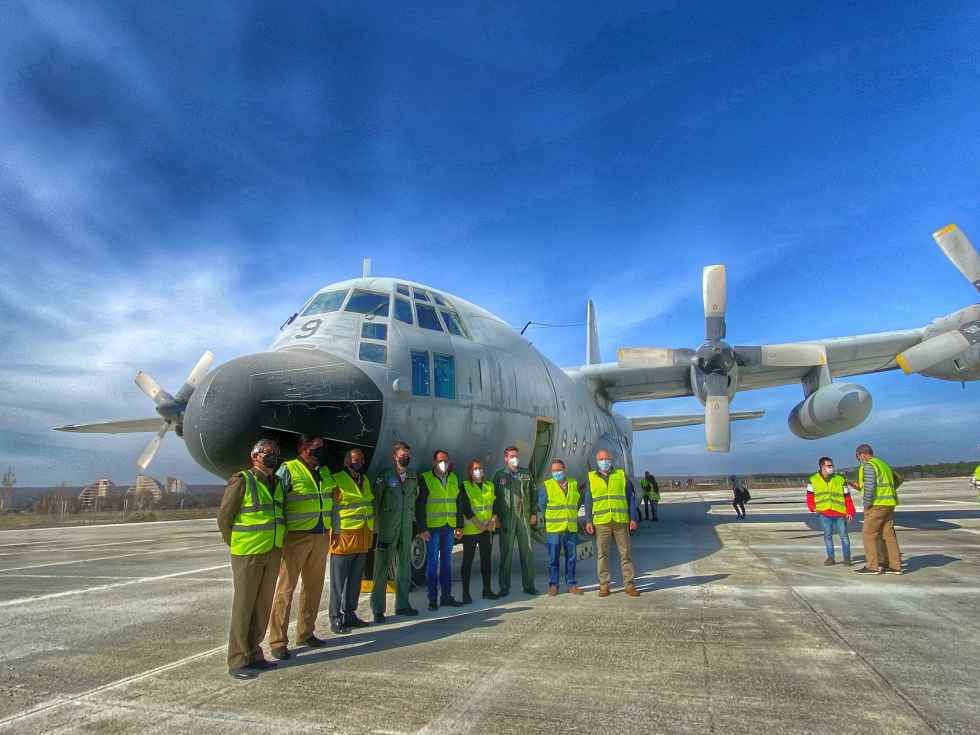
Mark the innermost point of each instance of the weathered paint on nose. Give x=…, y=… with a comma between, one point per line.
x=280, y=395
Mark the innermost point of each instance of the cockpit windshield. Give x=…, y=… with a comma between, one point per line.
x=325, y=302
x=368, y=302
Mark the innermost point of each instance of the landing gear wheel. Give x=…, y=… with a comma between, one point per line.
x=418, y=561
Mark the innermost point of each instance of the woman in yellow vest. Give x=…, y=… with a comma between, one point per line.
x=476, y=507
x=353, y=533
x=559, y=500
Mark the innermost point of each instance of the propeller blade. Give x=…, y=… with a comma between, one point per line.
x=196, y=376
x=152, y=389
x=646, y=357
x=131, y=426
x=960, y=252
x=717, y=424
x=714, y=294
x=939, y=348
x=151, y=449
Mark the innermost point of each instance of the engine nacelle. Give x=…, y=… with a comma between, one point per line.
x=830, y=410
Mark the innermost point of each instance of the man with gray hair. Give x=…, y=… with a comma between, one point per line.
x=879, y=486
x=252, y=523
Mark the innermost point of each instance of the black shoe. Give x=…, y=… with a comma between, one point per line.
x=866, y=570
x=356, y=622
x=242, y=672
x=260, y=664
x=467, y=599
x=489, y=594
x=280, y=654
x=433, y=605
x=450, y=601
x=410, y=611
x=503, y=592
x=530, y=591
x=379, y=618
x=339, y=628
x=314, y=642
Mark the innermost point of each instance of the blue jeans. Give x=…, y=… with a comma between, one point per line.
x=438, y=562
x=556, y=542
x=830, y=527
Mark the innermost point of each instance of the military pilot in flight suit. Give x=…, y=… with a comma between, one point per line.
x=395, y=492
x=515, y=505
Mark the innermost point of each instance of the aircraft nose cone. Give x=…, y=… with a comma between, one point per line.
x=280, y=395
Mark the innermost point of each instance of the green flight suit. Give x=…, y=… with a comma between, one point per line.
x=515, y=502
x=394, y=512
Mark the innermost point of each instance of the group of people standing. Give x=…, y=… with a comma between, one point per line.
x=282, y=522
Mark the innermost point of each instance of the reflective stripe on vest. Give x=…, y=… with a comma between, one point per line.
x=884, y=483
x=307, y=503
x=356, y=505
x=259, y=526
x=828, y=495
x=561, y=513
x=481, y=499
x=440, y=506
x=609, y=502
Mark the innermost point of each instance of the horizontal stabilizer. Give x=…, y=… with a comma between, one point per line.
x=645, y=423
x=132, y=426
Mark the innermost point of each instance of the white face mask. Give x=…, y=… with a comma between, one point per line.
x=477, y=475
x=442, y=466
x=514, y=462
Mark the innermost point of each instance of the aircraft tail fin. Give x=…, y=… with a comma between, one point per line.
x=592, y=356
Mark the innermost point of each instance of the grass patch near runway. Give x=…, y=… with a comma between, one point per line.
x=13, y=521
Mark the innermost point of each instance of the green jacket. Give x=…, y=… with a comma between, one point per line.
x=516, y=496
x=394, y=504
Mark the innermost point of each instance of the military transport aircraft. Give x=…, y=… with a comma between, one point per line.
x=370, y=360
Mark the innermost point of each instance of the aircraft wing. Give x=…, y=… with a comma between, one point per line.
x=846, y=356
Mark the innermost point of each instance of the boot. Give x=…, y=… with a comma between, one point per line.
x=603, y=590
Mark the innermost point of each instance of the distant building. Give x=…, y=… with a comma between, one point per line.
x=145, y=490
x=176, y=486
x=101, y=494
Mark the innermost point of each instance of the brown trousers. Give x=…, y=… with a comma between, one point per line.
x=878, y=527
x=254, y=578
x=304, y=557
x=620, y=532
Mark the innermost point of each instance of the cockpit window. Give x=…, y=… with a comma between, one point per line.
x=403, y=290
x=452, y=323
x=421, y=295
x=428, y=318
x=367, y=302
x=439, y=300
x=403, y=311
x=325, y=302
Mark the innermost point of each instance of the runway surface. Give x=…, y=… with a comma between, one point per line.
x=740, y=629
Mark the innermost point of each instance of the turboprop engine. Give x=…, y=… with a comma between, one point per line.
x=830, y=410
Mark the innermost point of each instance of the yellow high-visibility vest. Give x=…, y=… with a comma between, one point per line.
x=828, y=495
x=609, y=501
x=259, y=526
x=356, y=505
x=481, y=499
x=440, y=506
x=306, y=503
x=885, y=493
x=561, y=513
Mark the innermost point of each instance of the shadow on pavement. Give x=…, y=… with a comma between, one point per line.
x=376, y=639
x=925, y=561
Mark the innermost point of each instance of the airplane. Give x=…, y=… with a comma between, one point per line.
x=372, y=360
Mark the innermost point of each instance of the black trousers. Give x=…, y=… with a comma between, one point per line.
x=739, y=506
x=469, y=551
x=346, y=572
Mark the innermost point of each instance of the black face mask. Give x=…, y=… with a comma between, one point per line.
x=356, y=466
x=403, y=461
x=272, y=460
x=319, y=454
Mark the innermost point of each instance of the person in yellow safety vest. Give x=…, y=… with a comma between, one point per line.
x=828, y=495
x=252, y=524
x=651, y=495
x=879, y=485
x=441, y=525
x=976, y=480
x=353, y=534
x=610, y=513
x=476, y=508
x=559, y=500
x=307, y=488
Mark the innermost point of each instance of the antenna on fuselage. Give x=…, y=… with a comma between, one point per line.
x=366, y=268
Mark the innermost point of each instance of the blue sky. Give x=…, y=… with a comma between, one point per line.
x=180, y=178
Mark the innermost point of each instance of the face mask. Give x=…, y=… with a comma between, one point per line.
x=558, y=476
x=403, y=460
x=477, y=475
x=356, y=466
x=271, y=460
x=605, y=465
x=828, y=471
x=442, y=467
x=318, y=454
x=514, y=462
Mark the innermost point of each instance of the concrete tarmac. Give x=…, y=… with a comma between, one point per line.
x=739, y=629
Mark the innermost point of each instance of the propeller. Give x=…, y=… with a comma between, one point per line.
x=942, y=347
x=714, y=365
x=170, y=408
